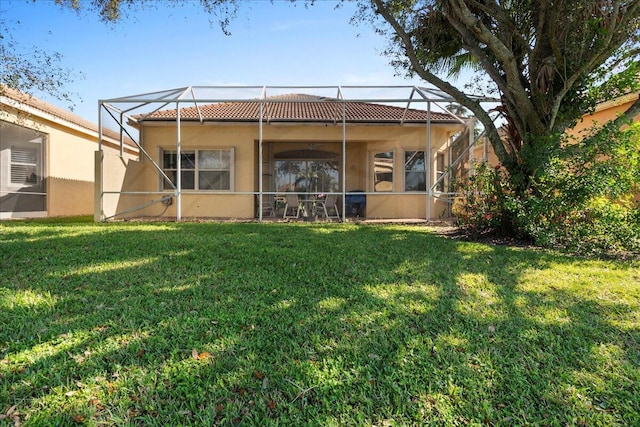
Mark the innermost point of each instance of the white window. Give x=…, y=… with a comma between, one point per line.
x=25, y=166
x=383, y=171
x=440, y=171
x=415, y=170
x=199, y=169
x=22, y=172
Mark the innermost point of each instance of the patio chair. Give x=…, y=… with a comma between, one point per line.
x=267, y=206
x=292, y=207
x=329, y=205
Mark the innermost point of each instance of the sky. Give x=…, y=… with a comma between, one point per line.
x=164, y=47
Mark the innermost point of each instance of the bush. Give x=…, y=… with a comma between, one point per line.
x=584, y=198
x=482, y=208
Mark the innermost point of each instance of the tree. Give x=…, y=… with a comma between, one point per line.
x=112, y=11
x=549, y=61
x=30, y=68
x=545, y=59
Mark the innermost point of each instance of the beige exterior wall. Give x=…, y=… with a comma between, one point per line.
x=483, y=151
x=362, y=143
x=70, y=172
x=68, y=161
x=606, y=112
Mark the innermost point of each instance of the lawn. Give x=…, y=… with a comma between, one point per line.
x=308, y=324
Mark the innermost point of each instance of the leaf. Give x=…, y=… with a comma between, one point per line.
x=13, y=414
x=70, y=393
x=94, y=402
x=200, y=356
x=78, y=418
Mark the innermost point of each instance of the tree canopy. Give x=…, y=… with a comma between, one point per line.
x=549, y=61
x=30, y=68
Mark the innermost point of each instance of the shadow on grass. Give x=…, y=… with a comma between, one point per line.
x=297, y=324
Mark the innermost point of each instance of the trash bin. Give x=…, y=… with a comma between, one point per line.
x=355, y=204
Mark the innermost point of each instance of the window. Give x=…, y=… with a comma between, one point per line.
x=383, y=171
x=22, y=172
x=214, y=169
x=307, y=171
x=415, y=171
x=199, y=169
x=440, y=171
x=24, y=165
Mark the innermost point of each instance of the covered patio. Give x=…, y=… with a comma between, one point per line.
x=238, y=152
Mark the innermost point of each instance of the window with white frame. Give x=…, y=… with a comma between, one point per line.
x=199, y=169
x=25, y=165
x=440, y=172
x=22, y=172
x=415, y=170
x=383, y=171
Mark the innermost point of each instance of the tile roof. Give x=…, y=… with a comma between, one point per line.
x=300, y=108
x=59, y=113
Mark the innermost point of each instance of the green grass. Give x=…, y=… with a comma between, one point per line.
x=308, y=324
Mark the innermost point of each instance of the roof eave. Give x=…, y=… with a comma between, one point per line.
x=299, y=121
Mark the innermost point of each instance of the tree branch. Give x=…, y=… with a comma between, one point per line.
x=463, y=99
x=504, y=55
x=628, y=115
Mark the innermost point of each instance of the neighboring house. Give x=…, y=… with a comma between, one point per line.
x=604, y=112
x=382, y=161
x=46, y=158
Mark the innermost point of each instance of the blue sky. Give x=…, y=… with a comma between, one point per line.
x=167, y=47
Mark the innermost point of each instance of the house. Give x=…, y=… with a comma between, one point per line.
x=245, y=157
x=603, y=113
x=47, y=158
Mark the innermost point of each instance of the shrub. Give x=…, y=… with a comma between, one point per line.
x=585, y=197
x=482, y=207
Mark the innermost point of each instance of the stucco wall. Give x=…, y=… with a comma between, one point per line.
x=68, y=164
x=70, y=172
x=362, y=141
x=69, y=169
x=604, y=113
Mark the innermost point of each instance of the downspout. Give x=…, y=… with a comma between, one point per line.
x=98, y=214
x=471, y=142
x=344, y=160
x=260, y=167
x=179, y=166
x=430, y=157
x=121, y=134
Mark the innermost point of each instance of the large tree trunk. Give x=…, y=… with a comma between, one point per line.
x=538, y=53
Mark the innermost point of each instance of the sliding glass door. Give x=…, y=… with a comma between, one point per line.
x=307, y=171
